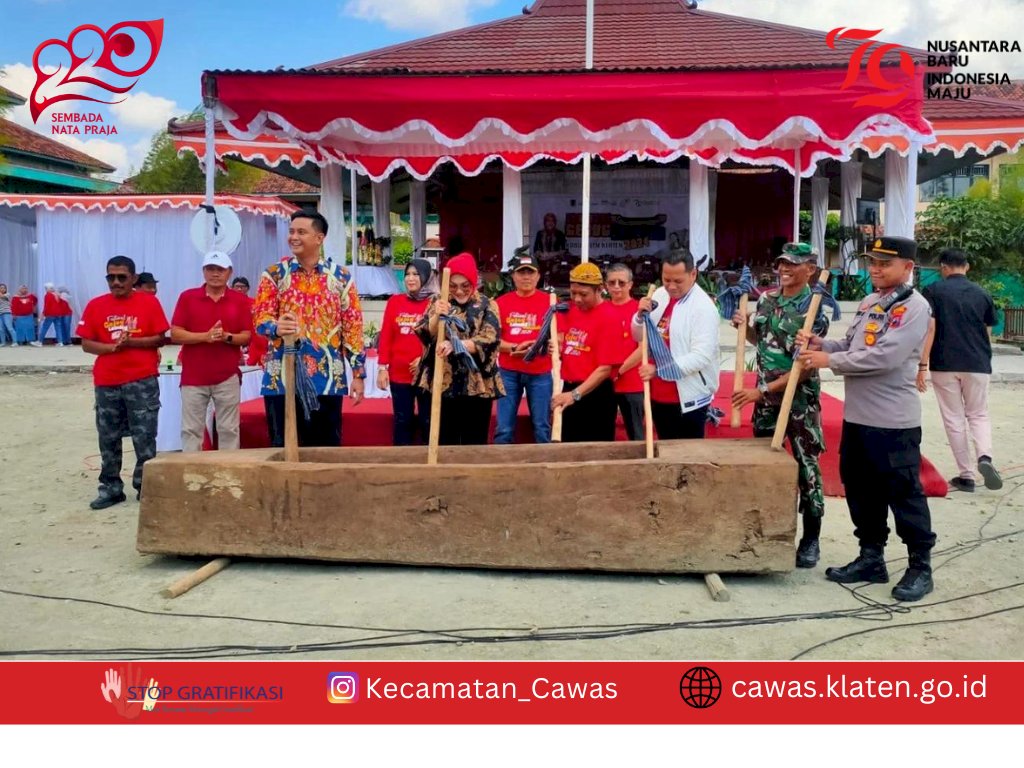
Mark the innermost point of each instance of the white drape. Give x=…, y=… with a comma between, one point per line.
x=382, y=208
x=712, y=204
x=418, y=212
x=332, y=207
x=17, y=254
x=700, y=206
x=819, y=215
x=353, y=201
x=74, y=247
x=900, y=193
x=850, y=182
x=511, y=213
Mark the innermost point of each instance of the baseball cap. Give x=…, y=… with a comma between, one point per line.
x=797, y=253
x=146, y=278
x=888, y=248
x=522, y=261
x=217, y=259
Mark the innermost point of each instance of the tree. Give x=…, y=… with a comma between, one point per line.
x=990, y=228
x=163, y=172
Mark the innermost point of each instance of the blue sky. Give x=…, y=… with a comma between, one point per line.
x=263, y=35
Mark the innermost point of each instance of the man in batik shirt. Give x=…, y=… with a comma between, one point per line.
x=311, y=298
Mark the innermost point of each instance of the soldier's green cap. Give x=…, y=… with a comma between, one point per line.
x=797, y=253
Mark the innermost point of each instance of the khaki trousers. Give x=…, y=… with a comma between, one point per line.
x=194, y=403
x=963, y=403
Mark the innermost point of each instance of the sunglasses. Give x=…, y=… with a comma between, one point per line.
x=617, y=282
x=117, y=278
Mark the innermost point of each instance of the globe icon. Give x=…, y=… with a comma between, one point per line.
x=700, y=687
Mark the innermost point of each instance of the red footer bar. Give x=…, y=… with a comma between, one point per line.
x=644, y=692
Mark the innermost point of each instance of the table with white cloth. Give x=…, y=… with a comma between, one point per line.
x=168, y=430
x=168, y=426
x=374, y=281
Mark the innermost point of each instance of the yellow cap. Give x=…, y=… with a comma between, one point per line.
x=586, y=274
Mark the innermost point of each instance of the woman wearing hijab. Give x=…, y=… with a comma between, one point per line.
x=470, y=352
x=400, y=350
x=56, y=312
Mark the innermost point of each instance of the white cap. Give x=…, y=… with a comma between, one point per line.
x=218, y=259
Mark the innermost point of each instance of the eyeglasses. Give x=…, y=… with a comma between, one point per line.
x=117, y=278
x=623, y=283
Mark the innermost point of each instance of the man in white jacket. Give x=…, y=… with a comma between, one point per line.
x=686, y=319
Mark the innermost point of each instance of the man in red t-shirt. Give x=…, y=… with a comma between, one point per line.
x=124, y=329
x=629, y=389
x=211, y=323
x=522, y=313
x=586, y=337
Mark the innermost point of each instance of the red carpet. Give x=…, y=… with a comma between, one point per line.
x=369, y=423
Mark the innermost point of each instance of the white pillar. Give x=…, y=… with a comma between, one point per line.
x=797, y=164
x=819, y=214
x=712, y=205
x=382, y=208
x=585, y=233
x=850, y=178
x=511, y=213
x=211, y=171
x=332, y=207
x=700, y=212
x=353, y=197
x=900, y=192
x=418, y=212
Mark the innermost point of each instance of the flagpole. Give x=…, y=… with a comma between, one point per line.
x=588, y=64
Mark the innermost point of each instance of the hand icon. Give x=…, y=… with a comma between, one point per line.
x=149, y=702
x=111, y=689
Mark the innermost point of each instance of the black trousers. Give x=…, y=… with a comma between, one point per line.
x=411, y=406
x=631, y=406
x=592, y=419
x=322, y=429
x=672, y=424
x=881, y=471
x=465, y=420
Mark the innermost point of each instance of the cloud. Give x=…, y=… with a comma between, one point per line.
x=426, y=16
x=144, y=111
x=110, y=152
x=19, y=78
x=911, y=22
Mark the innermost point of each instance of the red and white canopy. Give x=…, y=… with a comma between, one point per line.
x=270, y=206
x=380, y=123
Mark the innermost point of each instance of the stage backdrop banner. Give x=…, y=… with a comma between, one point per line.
x=619, y=226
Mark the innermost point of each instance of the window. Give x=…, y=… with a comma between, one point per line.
x=953, y=184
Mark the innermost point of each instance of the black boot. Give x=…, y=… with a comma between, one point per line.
x=917, y=581
x=808, y=552
x=869, y=566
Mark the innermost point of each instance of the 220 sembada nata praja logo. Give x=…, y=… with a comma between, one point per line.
x=894, y=93
x=112, y=60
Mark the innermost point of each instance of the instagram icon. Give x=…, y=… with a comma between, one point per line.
x=343, y=687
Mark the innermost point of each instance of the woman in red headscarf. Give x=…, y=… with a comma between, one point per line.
x=470, y=352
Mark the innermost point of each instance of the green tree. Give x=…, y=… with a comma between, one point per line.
x=163, y=172
x=990, y=228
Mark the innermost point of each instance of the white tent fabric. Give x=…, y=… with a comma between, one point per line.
x=418, y=212
x=819, y=215
x=511, y=213
x=17, y=248
x=74, y=247
x=700, y=214
x=900, y=191
x=851, y=181
x=332, y=206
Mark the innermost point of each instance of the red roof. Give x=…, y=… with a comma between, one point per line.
x=975, y=108
x=276, y=184
x=15, y=138
x=629, y=35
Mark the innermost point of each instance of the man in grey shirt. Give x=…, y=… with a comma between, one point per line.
x=880, y=449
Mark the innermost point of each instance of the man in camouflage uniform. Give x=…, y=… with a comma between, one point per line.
x=772, y=330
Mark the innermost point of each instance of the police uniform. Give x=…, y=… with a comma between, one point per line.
x=880, y=450
x=776, y=321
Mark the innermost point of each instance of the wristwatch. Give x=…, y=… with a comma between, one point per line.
x=228, y=339
x=762, y=387
x=576, y=395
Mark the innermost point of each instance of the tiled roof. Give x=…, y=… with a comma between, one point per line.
x=628, y=35
x=10, y=97
x=977, y=107
x=1013, y=91
x=276, y=184
x=15, y=138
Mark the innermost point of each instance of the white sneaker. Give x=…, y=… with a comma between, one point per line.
x=36, y=343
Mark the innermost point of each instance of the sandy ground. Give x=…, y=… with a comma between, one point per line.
x=74, y=562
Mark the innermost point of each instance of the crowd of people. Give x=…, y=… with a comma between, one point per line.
x=497, y=351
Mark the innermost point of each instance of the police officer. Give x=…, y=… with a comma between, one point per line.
x=776, y=320
x=880, y=451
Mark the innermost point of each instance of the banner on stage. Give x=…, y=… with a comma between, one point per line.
x=620, y=228
x=555, y=692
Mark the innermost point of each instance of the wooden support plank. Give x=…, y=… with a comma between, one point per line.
x=185, y=583
x=717, y=588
